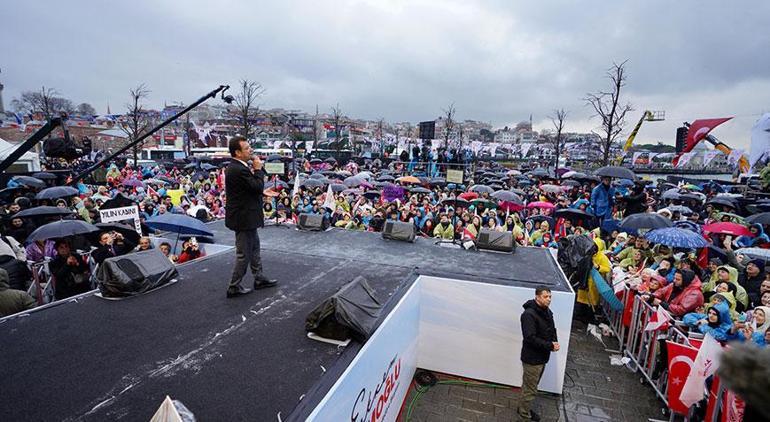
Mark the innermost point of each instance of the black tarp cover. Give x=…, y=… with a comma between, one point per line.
x=575, y=258
x=352, y=311
x=134, y=274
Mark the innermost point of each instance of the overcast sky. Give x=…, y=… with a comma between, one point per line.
x=498, y=61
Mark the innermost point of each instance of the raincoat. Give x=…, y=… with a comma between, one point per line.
x=591, y=296
x=740, y=293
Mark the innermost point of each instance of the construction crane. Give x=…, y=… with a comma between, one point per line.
x=647, y=116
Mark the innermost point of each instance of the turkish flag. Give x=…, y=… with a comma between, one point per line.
x=659, y=320
x=680, y=363
x=699, y=129
x=734, y=408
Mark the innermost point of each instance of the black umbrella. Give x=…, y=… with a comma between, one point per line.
x=353, y=181
x=208, y=167
x=320, y=176
x=456, y=202
x=44, y=175
x=761, y=218
x=372, y=194
x=338, y=187
x=576, y=215
x=616, y=172
x=386, y=178
x=28, y=181
x=672, y=194
x=540, y=172
x=507, y=196
x=274, y=157
x=722, y=201
x=482, y=189
x=419, y=189
x=120, y=200
x=128, y=231
x=43, y=211
x=438, y=181
x=645, y=220
x=61, y=229
x=191, y=166
x=574, y=183
x=56, y=192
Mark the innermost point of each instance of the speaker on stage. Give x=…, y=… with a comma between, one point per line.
x=134, y=274
x=313, y=222
x=398, y=230
x=495, y=241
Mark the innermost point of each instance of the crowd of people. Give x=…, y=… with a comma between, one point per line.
x=724, y=292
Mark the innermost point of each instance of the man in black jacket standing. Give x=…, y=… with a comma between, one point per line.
x=540, y=340
x=243, y=214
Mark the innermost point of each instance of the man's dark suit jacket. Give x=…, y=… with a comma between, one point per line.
x=243, y=209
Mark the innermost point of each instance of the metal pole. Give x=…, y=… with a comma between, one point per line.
x=163, y=124
x=36, y=137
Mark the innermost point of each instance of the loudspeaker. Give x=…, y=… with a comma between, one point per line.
x=313, y=222
x=134, y=274
x=681, y=138
x=495, y=241
x=398, y=230
x=428, y=130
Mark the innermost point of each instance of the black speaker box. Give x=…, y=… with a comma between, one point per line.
x=398, y=230
x=312, y=222
x=495, y=241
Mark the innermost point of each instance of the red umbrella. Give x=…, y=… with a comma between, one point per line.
x=468, y=196
x=510, y=206
x=727, y=227
x=540, y=204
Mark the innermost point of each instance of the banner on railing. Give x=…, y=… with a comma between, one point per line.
x=680, y=364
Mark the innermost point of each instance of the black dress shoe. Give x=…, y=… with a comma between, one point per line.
x=237, y=291
x=262, y=282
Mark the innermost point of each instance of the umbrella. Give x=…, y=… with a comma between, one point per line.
x=468, y=195
x=312, y=183
x=510, y=206
x=691, y=197
x=315, y=161
x=536, y=218
x=676, y=237
x=518, y=192
x=680, y=209
x=128, y=232
x=496, y=186
x=571, y=183
x=616, y=172
x=365, y=174
x=56, y=192
x=456, y=202
x=274, y=157
x=438, y=181
x=735, y=218
x=761, y=218
x=540, y=204
x=507, y=196
x=540, y=172
x=722, y=201
x=351, y=191
x=690, y=186
x=689, y=225
x=485, y=202
x=572, y=174
x=386, y=178
x=626, y=183
x=419, y=189
x=353, y=181
x=672, y=194
x=645, y=221
x=208, y=167
x=331, y=160
x=61, y=229
x=191, y=166
x=43, y=211
x=552, y=188
x=372, y=194
x=409, y=179
x=575, y=214
x=727, y=228
x=755, y=253
x=319, y=175
x=179, y=224
x=133, y=183
x=338, y=187
x=481, y=189
x=513, y=173
x=28, y=181
x=155, y=182
x=43, y=175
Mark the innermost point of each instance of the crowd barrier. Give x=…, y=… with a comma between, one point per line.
x=644, y=347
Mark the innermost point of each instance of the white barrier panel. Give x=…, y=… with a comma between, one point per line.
x=473, y=330
x=376, y=382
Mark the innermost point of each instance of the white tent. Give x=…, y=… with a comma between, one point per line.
x=30, y=161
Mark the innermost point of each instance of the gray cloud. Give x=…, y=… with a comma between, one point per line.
x=498, y=61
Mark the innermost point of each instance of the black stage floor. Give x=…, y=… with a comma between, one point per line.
x=226, y=359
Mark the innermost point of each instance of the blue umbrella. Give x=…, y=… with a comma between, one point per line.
x=755, y=253
x=56, y=192
x=606, y=290
x=180, y=224
x=676, y=237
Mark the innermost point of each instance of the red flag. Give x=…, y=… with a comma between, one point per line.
x=699, y=129
x=680, y=363
x=658, y=320
x=734, y=408
x=712, y=399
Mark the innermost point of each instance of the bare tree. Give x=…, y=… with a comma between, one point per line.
x=85, y=109
x=136, y=120
x=558, y=142
x=337, y=119
x=608, y=107
x=449, y=123
x=246, y=107
x=380, y=123
x=47, y=102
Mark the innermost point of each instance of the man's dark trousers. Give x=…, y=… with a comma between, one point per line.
x=246, y=255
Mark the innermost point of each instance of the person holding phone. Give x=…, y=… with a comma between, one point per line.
x=244, y=185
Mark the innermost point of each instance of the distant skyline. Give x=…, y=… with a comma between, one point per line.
x=498, y=61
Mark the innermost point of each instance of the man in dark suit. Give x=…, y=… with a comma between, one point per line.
x=243, y=214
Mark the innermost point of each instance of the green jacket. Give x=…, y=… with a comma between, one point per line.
x=13, y=301
x=740, y=293
x=447, y=233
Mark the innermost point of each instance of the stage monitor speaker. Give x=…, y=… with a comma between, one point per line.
x=495, y=241
x=313, y=222
x=398, y=230
x=428, y=130
x=134, y=274
x=351, y=312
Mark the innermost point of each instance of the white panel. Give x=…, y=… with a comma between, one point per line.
x=473, y=330
x=378, y=378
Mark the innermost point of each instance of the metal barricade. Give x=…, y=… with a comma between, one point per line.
x=41, y=287
x=614, y=317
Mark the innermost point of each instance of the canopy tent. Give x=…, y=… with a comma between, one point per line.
x=28, y=162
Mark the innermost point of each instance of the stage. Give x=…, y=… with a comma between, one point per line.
x=234, y=359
